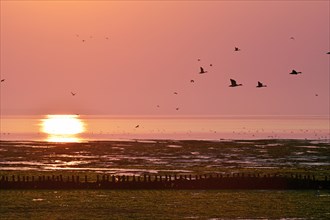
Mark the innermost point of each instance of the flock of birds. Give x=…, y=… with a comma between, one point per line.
x=233, y=82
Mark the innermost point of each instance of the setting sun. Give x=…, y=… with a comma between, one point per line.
x=63, y=128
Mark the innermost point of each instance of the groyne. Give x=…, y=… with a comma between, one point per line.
x=205, y=182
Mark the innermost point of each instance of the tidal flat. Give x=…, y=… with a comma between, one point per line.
x=165, y=157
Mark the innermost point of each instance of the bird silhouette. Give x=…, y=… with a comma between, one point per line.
x=175, y=93
x=237, y=49
x=260, y=85
x=202, y=71
x=328, y=53
x=294, y=72
x=73, y=94
x=192, y=81
x=233, y=83
x=137, y=126
x=2, y=80
x=211, y=64
x=177, y=109
x=292, y=38
x=198, y=59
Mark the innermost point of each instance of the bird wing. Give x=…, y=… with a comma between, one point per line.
x=233, y=82
x=202, y=70
x=259, y=84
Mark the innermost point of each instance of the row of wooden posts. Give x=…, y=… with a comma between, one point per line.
x=218, y=181
x=146, y=178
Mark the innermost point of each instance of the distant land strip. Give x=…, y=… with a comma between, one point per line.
x=171, y=182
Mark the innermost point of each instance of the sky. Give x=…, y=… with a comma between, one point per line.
x=129, y=57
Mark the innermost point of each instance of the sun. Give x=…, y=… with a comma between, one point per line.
x=62, y=128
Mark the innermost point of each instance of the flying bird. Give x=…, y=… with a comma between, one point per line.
x=294, y=72
x=202, y=71
x=211, y=64
x=237, y=49
x=198, y=59
x=192, y=81
x=73, y=94
x=233, y=83
x=328, y=53
x=292, y=38
x=2, y=80
x=137, y=126
x=177, y=109
x=175, y=93
x=260, y=85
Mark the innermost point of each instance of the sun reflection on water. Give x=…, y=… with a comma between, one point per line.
x=62, y=128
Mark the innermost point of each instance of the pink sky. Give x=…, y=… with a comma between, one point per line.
x=152, y=52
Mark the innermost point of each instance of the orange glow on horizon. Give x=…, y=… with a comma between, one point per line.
x=62, y=128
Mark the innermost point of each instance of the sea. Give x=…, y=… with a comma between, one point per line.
x=110, y=127
x=127, y=145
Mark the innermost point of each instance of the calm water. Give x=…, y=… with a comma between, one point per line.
x=190, y=128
